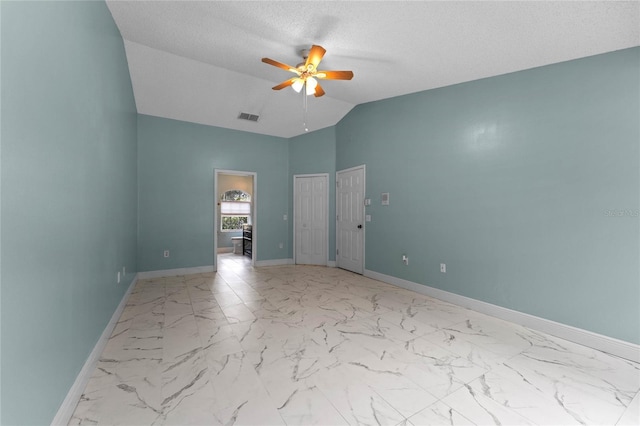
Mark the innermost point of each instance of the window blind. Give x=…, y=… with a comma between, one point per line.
x=235, y=208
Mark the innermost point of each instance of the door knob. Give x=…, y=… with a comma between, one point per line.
x=359, y=226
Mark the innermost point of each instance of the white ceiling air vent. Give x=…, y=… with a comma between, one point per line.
x=249, y=117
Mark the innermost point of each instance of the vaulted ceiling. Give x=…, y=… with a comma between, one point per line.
x=200, y=61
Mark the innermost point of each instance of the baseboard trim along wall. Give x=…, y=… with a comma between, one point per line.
x=174, y=272
x=203, y=269
x=63, y=416
x=274, y=262
x=606, y=344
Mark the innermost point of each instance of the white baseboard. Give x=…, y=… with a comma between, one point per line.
x=274, y=262
x=203, y=269
x=175, y=272
x=63, y=416
x=597, y=341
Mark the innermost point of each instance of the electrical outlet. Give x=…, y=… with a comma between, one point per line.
x=166, y=253
x=284, y=217
x=443, y=268
x=405, y=259
x=281, y=245
x=118, y=277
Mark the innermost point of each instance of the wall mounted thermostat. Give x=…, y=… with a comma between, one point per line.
x=384, y=197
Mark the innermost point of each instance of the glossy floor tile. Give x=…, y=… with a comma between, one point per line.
x=306, y=345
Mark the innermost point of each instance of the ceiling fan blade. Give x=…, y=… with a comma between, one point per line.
x=285, y=84
x=280, y=65
x=315, y=56
x=319, y=91
x=335, y=75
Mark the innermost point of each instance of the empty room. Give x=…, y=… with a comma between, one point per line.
x=319, y=212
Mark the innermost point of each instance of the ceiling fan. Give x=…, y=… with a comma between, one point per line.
x=307, y=72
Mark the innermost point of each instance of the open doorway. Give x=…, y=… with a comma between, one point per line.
x=235, y=216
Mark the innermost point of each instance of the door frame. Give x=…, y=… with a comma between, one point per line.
x=326, y=208
x=364, y=211
x=254, y=213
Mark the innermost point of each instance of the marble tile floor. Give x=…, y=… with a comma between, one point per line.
x=304, y=345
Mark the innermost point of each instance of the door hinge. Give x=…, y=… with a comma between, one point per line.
x=337, y=184
x=337, y=217
x=337, y=251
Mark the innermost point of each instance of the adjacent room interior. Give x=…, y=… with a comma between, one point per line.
x=235, y=213
x=182, y=244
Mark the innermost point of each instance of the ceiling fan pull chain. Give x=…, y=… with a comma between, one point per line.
x=304, y=107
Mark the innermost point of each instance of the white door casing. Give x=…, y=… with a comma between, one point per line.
x=310, y=216
x=350, y=187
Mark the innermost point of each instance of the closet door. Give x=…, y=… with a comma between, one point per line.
x=310, y=212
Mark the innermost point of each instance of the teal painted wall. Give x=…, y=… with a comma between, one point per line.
x=315, y=153
x=175, y=187
x=68, y=196
x=512, y=181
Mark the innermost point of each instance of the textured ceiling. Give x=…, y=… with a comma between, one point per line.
x=199, y=61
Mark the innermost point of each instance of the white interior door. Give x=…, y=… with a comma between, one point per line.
x=350, y=219
x=310, y=219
